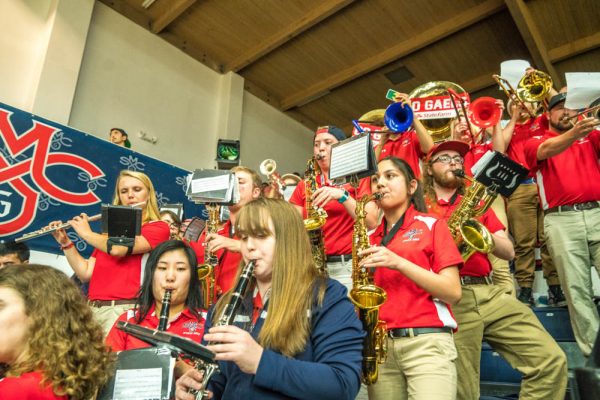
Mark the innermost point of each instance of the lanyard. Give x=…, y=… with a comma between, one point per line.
x=390, y=235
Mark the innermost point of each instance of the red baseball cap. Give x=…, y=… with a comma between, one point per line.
x=461, y=148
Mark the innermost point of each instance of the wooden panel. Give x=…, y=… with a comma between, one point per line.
x=575, y=47
x=586, y=62
x=171, y=10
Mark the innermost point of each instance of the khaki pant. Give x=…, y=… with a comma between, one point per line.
x=486, y=312
x=574, y=241
x=501, y=275
x=421, y=367
x=107, y=315
x=526, y=222
x=341, y=271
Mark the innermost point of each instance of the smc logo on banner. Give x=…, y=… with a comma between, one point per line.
x=52, y=172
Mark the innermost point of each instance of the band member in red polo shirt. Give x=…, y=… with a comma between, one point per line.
x=565, y=160
x=338, y=202
x=115, y=271
x=171, y=266
x=225, y=243
x=418, y=268
x=50, y=345
x=485, y=311
x=524, y=212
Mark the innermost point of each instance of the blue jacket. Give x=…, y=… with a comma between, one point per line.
x=328, y=368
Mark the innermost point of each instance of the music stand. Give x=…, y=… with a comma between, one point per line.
x=588, y=377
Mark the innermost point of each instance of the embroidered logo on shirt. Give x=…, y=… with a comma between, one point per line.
x=191, y=326
x=412, y=235
x=405, y=142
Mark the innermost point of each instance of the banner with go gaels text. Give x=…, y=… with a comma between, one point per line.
x=52, y=172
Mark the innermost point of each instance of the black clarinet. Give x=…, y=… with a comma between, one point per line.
x=226, y=318
x=163, y=321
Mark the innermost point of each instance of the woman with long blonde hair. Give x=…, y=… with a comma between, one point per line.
x=50, y=344
x=114, y=270
x=296, y=334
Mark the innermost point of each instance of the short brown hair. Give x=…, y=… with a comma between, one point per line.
x=256, y=181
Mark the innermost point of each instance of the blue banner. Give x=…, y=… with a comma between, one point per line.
x=50, y=171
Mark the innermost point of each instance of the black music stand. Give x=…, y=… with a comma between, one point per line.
x=588, y=377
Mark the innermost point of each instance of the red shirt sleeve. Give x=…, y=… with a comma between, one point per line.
x=531, y=148
x=298, y=197
x=155, y=232
x=445, y=253
x=491, y=221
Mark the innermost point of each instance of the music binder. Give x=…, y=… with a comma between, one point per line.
x=121, y=221
x=213, y=186
x=499, y=173
x=352, y=159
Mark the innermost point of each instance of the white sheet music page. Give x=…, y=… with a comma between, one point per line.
x=349, y=158
x=138, y=384
x=584, y=88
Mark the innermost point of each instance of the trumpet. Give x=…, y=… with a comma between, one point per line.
x=267, y=168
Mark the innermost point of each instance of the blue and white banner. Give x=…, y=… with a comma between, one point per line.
x=50, y=172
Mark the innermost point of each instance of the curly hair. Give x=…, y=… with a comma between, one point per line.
x=65, y=344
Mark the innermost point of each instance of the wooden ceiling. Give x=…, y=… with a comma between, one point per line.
x=327, y=61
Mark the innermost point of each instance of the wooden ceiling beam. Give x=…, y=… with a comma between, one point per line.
x=574, y=48
x=532, y=38
x=479, y=83
x=402, y=49
x=123, y=8
x=174, y=10
x=323, y=11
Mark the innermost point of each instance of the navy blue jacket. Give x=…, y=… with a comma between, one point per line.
x=328, y=368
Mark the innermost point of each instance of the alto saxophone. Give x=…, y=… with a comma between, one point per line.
x=469, y=234
x=367, y=298
x=226, y=318
x=206, y=271
x=315, y=217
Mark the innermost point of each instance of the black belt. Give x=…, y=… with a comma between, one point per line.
x=111, y=303
x=339, y=257
x=573, y=207
x=476, y=280
x=410, y=332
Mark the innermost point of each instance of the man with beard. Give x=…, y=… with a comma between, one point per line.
x=485, y=311
x=565, y=160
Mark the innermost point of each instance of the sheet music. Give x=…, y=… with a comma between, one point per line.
x=213, y=184
x=513, y=71
x=138, y=384
x=584, y=88
x=349, y=158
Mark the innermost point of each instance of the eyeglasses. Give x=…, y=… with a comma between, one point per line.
x=445, y=159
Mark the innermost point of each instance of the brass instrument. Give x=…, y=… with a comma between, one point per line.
x=267, y=168
x=469, y=234
x=315, y=217
x=534, y=87
x=440, y=128
x=226, y=318
x=590, y=112
x=485, y=112
x=163, y=321
x=367, y=298
x=206, y=271
x=511, y=93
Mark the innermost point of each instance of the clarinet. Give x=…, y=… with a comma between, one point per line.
x=163, y=321
x=226, y=318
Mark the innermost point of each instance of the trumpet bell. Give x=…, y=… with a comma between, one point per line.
x=484, y=112
x=268, y=166
x=398, y=117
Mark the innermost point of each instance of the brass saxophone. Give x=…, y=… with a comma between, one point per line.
x=226, y=318
x=367, y=298
x=315, y=217
x=469, y=234
x=206, y=271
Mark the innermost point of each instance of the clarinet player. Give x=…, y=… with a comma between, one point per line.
x=296, y=334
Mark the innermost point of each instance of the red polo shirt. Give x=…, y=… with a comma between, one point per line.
x=116, y=278
x=229, y=261
x=478, y=264
x=521, y=134
x=27, y=387
x=425, y=241
x=405, y=146
x=185, y=325
x=337, y=231
x=570, y=177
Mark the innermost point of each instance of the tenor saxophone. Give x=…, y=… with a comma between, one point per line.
x=469, y=234
x=226, y=318
x=367, y=298
x=315, y=217
x=206, y=271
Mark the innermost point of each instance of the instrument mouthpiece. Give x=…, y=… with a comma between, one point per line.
x=459, y=173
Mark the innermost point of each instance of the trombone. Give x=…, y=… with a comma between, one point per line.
x=593, y=112
x=511, y=93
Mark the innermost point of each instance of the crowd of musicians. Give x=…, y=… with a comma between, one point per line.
x=308, y=326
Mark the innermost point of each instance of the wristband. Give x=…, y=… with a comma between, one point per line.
x=67, y=246
x=344, y=197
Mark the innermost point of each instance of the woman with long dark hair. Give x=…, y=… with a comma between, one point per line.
x=171, y=266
